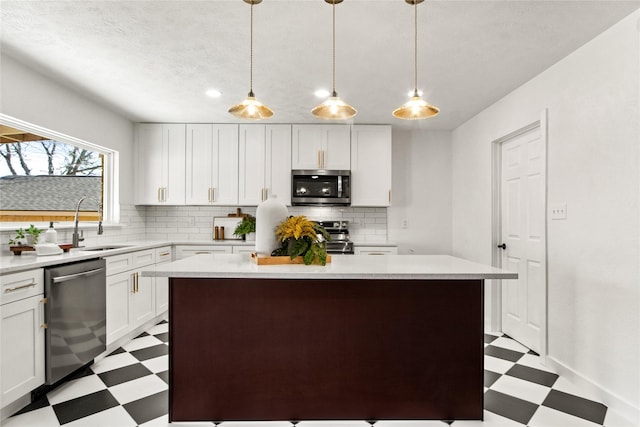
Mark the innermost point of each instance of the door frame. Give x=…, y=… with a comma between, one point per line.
x=496, y=226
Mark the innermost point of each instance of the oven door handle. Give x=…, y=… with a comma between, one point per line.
x=75, y=276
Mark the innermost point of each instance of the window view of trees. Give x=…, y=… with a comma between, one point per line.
x=43, y=179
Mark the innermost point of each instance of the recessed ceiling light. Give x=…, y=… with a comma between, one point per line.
x=321, y=93
x=213, y=93
x=410, y=93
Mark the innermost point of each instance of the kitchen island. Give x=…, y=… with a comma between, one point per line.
x=363, y=338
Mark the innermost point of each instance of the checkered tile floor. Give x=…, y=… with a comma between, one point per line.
x=129, y=388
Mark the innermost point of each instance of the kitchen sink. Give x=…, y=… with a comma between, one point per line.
x=102, y=248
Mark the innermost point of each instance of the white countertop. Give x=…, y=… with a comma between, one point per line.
x=411, y=267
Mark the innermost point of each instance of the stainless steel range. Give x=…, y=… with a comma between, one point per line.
x=340, y=243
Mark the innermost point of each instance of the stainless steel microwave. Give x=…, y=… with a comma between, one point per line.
x=320, y=187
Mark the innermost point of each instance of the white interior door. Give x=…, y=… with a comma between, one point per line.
x=523, y=232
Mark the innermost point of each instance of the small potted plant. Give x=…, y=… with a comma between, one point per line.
x=247, y=228
x=301, y=237
x=25, y=239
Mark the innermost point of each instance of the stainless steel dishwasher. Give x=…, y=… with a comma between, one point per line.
x=76, y=316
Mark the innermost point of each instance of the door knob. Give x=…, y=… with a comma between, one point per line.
x=503, y=246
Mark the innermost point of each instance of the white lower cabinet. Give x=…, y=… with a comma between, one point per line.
x=22, y=334
x=375, y=250
x=130, y=297
x=185, y=251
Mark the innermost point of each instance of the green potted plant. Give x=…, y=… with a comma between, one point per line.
x=24, y=239
x=300, y=237
x=247, y=228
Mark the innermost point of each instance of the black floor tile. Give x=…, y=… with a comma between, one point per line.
x=577, y=406
x=117, y=351
x=164, y=337
x=503, y=353
x=488, y=338
x=164, y=375
x=85, y=371
x=84, y=406
x=43, y=402
x=509, y=407
x=148, y=408
x=533, y=375
x=144, y=334
x=163, y=322
x=150, y=352
x=490, y=377
x=124, y=374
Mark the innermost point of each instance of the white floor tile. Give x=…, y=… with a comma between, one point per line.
x=525, y=390
x=510, y=344
x=113, y=362
x=391, y=423
x=497, y=365
x=548, y=417
x=490, y=420
x=336, y=423
x=112, y=417
x=44, y=417
x=76, y=388
x=157, y=364
x=137, y=389
x=163, y=421
x=256, y=424
x=614, y=419
x=143, y=342
x=158, y=329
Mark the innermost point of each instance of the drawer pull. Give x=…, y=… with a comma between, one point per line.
x=28, y=285
x=165, y=253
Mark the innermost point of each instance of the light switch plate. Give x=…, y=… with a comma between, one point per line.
x=559, y=211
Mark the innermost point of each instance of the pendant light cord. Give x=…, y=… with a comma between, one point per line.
x=415, y=48
x=251, y=55
x=334, y=48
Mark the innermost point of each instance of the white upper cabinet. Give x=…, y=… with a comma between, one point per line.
x=212, y=164
x=160, y=164
x=265, y=163
x=371, y=165
x=321, y=147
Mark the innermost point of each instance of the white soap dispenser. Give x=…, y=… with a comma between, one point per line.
x=51, y=235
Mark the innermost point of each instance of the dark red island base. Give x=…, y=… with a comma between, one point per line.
x=279, y=349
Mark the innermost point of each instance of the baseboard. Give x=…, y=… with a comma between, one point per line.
x=613, y=401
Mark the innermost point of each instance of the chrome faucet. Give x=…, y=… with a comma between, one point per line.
x=77, y=238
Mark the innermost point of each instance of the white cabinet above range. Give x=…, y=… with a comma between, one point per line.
x=321, y=147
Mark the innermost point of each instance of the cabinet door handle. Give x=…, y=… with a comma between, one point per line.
x=389, y=196
x=323, y=159
x=164, y=194
x=319, y=159
x=209, y=194
x=266, y=193
x=28, y=285
x=213, y=194
x=43, y=324
x=159, y=194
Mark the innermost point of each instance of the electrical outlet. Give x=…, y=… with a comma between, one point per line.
x=559, y=211
x=404, y=223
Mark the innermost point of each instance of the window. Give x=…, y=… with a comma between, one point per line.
x=43, y=175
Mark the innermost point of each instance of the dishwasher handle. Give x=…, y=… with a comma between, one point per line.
x=75, y=276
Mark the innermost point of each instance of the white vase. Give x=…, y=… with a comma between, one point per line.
x=269, y=214
x=250, y=237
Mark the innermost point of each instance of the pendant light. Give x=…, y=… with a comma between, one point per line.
x=334, y=107
x=251, y=108
x=416, y=108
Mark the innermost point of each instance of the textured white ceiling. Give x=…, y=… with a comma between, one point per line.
x=153, y=60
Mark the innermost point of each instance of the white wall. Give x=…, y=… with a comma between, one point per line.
x=34, y=98
x=421, y=192
x=593, y=98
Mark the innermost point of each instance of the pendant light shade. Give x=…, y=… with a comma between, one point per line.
x=416, y=108
x=334, y=108
x=251, y=108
